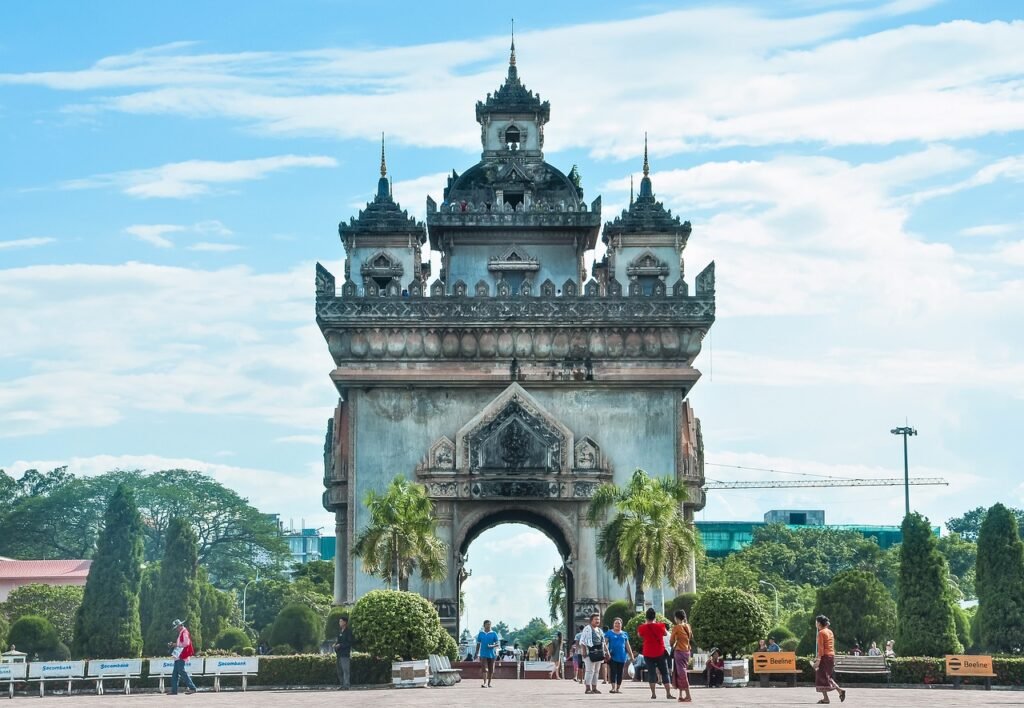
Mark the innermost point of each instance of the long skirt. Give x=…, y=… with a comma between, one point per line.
x=682, y=662
x=823, y=674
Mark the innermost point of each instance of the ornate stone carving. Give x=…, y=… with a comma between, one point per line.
x=645, y=265
x=443, y=489
x=442, y=455
x=514, y=434
x=324, y=281
x=547, y=288
x=584, y=490
x=514, y=489
x=381, y=265
x=705, y=284
x=584, y=608
x=587, y=454
x=482, y=288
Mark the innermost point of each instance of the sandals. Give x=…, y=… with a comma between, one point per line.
x=842, y=695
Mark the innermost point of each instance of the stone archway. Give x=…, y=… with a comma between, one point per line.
x=476, y=522
x=514, y=461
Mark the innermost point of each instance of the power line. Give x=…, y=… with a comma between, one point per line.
x=832, y=482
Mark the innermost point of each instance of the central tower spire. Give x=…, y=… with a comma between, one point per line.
x=383, y=188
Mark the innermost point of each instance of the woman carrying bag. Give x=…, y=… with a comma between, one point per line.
x=592, y=640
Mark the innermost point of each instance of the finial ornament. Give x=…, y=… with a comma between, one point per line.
x=383, y=164
x=631, y=190
x=647, y=167
x=512, y=53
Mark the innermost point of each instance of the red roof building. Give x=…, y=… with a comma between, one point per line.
x=15, y=573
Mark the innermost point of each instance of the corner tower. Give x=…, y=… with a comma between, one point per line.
x=511, y=383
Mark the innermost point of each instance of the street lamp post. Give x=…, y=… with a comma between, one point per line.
x=776, y=591
x=245, y=589
x=905, y=431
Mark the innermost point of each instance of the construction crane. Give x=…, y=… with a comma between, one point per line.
x=835, y=482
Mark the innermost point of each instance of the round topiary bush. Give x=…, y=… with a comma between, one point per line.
x=789, y=643
x=35, y=636
x=780, y=633
x=634, y=622
x=447, y=646
x=682, y=602
x=331, y=623
x=247, y=651
x=619, y=608
x=390, y=623
x=282, y=650
x=232, y=639
x=298, y=627
x=729, y=619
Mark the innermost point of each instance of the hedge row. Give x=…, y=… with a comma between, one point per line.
x=319, y=670
x=919, y=670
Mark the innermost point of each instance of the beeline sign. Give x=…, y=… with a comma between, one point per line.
x=767, y=662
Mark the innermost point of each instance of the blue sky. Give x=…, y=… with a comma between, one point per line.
x=169, y=175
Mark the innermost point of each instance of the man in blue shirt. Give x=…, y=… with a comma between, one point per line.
x=772, y=645
x=486, y=650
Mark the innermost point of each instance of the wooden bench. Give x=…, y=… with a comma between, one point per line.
x=848, y=664
x=960, y=665
x=775, y=663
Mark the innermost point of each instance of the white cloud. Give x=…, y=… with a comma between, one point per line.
x=86, y=345
x=31, y=242
x=154, y=234
x=301, y=439
x=991, y=229
x=214, y=247
x=699, y=76
x=178, y=180
x=270, y=491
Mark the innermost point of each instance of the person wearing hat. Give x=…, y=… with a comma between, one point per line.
x=182, y=651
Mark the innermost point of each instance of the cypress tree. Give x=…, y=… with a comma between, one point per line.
x=107, y=624
x=925, y=624
x=1000, y=583
x=176, y=595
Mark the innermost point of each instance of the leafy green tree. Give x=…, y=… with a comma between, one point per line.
x=1000, y=617
x=265, y=600
x=682, y=602
x=319, y=574
x=968, y=526
x=536, y=630
x=647, y=538
x=148, y=595
x=556, y=598
x=389, y=623
x=925, y=623
x=57, y=515
x=501, y=629
x=177, y=591
x=400, y=537
x=447, y=646
x=298, y=627
x=621, y=609
x=57, y=603
x=5, y=627
x=107, y=623
x=36, y=637
x=861, y=610
x=961, y=556
x=963, y=627
x=728, y=618
x=218, y=609
x=331, y=623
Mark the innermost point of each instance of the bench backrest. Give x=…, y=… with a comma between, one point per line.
x=13, y=672
x=114, y=668
x=861, y=663
x=966, y=665
x=56, y=670
x=165, y=667
x=232, y=665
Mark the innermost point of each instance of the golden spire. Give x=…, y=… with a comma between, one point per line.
x=383, y=165
x=512, y=53
x=647, y=167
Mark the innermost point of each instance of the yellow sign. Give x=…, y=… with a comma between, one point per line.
x=774, y=662
x=964, y=665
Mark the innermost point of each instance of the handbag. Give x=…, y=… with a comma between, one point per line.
x=596, y=652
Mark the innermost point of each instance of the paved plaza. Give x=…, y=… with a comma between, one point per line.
x=542, y=694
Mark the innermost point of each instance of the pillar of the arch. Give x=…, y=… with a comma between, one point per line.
x=340, y=556
x=585, y=573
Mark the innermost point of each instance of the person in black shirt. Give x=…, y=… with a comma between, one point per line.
x=343, y=650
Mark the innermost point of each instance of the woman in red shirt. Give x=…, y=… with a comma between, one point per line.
x=653, y=635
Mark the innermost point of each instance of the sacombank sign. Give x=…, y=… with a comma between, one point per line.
x=120, y=665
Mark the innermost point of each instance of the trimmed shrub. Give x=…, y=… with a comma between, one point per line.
x=682, y=602
x=233, y=639
x=298, y=627
x=107, y=622
x=319, y=670
x=35, y=636
x=447, y=646
x=248, y=651
x=4, y=628
x=1000, y=582
x=789, y=643
x=634, y=622
x=331, y=623
x=781, y=633
x=282, y=650
x=963, y=627
x=861, y=610
x=925, y=624
x=57, y=603
x=729, y=619
x=619, y=608
x=176, y=594
x=389, y=623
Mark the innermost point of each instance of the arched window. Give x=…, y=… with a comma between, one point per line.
x=512, y=137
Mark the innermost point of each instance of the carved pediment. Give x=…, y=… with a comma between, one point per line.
x=513, y=259
x=514, y=434
x=647, y=264
x=442, y=455
x=381, y=265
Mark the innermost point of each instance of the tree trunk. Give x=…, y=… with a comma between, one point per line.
x=638, y=579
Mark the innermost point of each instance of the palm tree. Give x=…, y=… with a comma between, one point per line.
x=400, y=537
x=647, y=539
x=556, y=595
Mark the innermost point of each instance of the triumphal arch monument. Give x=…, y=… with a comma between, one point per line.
x=512, y=382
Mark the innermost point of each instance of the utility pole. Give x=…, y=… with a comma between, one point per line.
x=905, y=431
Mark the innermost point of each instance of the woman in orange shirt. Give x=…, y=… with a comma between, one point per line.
x=680, y=639
x=826, y=661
